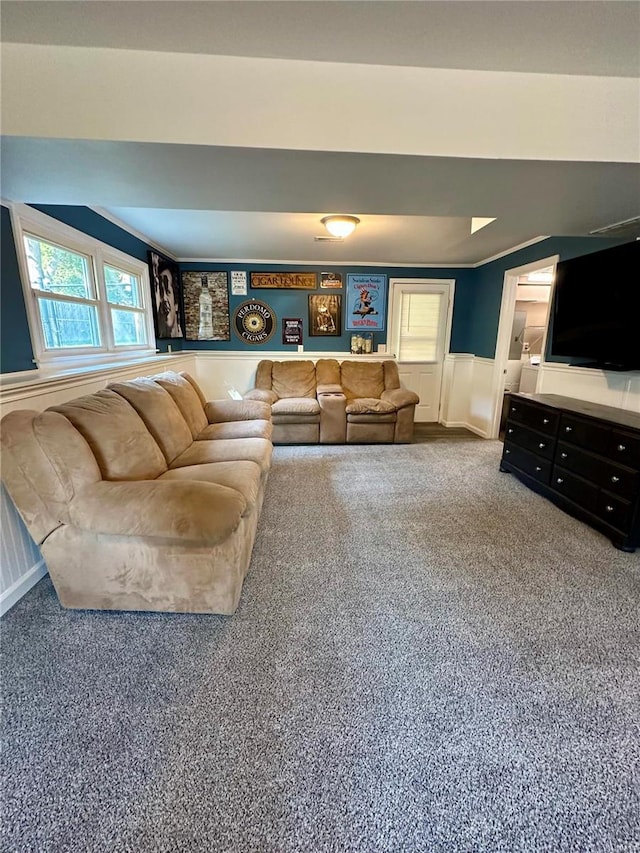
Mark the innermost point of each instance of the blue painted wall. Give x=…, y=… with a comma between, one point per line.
x=15, y=341
x=482, y=328
x=295, y=303
x=475, y=316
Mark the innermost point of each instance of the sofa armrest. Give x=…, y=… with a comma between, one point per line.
x=333, y=417
x=187, y=511
x=224, y=411
x=400, y=397
x=328, y=389
x=262, y=395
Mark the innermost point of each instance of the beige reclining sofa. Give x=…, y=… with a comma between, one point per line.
x=332, y=403
x=142, y=496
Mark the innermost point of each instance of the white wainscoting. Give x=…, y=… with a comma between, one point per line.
x=217, y=372
x=21, y=563
x=482, y=396
x=621, y=390
x=457, y=377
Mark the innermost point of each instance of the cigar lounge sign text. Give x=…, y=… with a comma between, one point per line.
x=254, y=322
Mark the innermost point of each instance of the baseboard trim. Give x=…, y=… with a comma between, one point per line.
x=22, y=586
x=463, y=424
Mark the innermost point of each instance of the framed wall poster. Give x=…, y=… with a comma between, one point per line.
x=206, y=306
x=165, y=296
x=324, y=314
x=331, y=279
x=284, y=280
x=366, y=302
x=291, y=331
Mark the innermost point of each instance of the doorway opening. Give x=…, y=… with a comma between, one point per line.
x=522, y=333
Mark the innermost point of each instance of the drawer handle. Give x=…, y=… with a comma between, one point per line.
x=538, y=468
x=559, y=480
x=568, y=429
x=622, y=447
x=545, y=420
x=564, y=455
x=609, y=508
x=513, y=409
x=510, y=430
x=507, y=452
x=615, y=479
x=542, y=445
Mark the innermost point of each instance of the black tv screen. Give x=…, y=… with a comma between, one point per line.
x=596, y=313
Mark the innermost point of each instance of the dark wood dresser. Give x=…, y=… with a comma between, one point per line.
x=582, y=456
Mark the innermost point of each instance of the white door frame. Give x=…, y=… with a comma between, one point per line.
x=507, y=307
x=393, y=333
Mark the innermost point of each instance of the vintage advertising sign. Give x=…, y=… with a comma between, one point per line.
x=330, y=279
x=238, y=282
x=254, y=322
x=285, y=280
x=291, y=331
x=366, y=302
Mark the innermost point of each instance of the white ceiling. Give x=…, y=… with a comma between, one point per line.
x=140, y=108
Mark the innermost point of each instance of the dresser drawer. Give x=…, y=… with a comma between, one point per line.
x=585, y=433
x=615, y=478
x=624, y=447
x=536, y=442
x=580, y=491
x=531, y=464
x=536, y=417
x=615, y=511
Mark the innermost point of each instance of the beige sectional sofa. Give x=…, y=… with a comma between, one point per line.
x=143, y=496
x=332, y=403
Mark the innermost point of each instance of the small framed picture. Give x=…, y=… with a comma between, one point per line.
x=291, y=330
x=325, y=311
x=331, y=279
x=166, y=293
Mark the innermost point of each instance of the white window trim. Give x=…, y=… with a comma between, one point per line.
x=25, y=219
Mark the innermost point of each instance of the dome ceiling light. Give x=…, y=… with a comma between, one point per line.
x=340, y=226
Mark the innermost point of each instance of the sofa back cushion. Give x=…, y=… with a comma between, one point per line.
x=362, y=379
x=160, y=414
x=391, y=376
x=186, y=398
x=328, y=371
x=121, y=443
x=263, y=375
x=42, y=476
x=294, y=378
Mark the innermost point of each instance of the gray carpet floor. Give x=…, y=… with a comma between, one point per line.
x=427, y=657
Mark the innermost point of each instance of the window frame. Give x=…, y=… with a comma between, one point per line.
x=28, y=222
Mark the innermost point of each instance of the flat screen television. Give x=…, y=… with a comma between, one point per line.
x=596, y=309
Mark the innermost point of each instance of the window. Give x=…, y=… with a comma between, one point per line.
x=85, y=300
x=419, y=326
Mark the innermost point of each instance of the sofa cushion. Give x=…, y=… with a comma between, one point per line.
x=369, y=405
x=160, y=414
x=294, y=378
x=237, y=429
x=362, y=379
x=186, y=398
x=256, y=450
x=371, y=418
x=296, y=406
x=328, y=371
x=122, y=445
x=31, y=477
x=244, y=477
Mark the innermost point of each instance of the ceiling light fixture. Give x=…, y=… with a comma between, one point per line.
x=340, y=226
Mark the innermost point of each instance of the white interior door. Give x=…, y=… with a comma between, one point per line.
x=419, y=331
